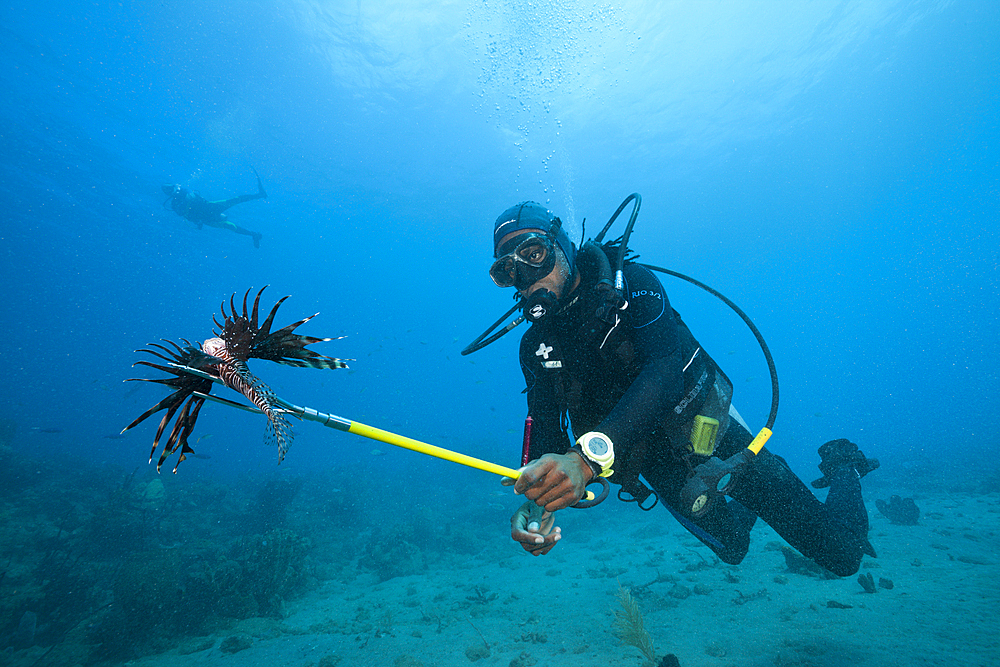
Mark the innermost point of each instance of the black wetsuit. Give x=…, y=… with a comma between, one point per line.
x=631, y=384
x=191, y=205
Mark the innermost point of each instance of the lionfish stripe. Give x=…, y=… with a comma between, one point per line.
x=325, y=362
x=237, y=376
x=292, y=327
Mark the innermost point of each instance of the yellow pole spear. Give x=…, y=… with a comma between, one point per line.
x=357, y=428
x=380, y=435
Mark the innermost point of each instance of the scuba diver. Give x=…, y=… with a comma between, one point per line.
x=609, y=359
x=189, y=204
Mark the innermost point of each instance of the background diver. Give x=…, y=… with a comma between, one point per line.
x=632, y=382
x=191, y=205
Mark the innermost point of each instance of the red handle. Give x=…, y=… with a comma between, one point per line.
x=527, y=441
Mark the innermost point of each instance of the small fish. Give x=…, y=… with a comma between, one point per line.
x=377, y=452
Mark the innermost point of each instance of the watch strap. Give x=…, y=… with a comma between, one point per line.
x=594, y=468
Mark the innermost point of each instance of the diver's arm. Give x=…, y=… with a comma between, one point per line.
x=555, y=478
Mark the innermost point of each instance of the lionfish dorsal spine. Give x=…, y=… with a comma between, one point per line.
x=265, y=328
x=256, y=307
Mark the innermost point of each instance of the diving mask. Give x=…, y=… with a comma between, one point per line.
x=532, y=258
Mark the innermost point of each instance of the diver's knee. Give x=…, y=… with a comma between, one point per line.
x=846, y=561
x=732, y=556
x=844, y=568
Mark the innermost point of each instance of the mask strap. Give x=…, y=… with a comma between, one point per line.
x=554, y=228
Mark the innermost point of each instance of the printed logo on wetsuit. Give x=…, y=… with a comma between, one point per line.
x=646, y=292
x=679, y=408
x=544, y=351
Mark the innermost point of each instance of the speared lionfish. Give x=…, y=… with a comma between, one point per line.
x=225, y=357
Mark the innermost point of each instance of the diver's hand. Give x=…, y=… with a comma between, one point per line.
x=555, y=481
x=534, y=529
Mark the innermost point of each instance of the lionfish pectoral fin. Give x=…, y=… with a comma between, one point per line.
x=189, y=393
x=159, y=434
x=201, y=360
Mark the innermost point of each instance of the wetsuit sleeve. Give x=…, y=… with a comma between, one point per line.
x=658, y=340
x=547, y=433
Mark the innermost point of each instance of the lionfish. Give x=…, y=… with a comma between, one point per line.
x=225, y=357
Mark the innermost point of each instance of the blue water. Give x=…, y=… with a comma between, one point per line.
x=830, y=166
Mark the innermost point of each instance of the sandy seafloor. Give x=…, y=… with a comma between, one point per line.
x=943, y=608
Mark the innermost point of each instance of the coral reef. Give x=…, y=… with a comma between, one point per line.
x=192, y=591
x=796, y=563
x=271, y=508
x=391, y=552
x=867, y=582
x=101, y=564
x=899, y=511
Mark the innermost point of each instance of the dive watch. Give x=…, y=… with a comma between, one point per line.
x=598, y=449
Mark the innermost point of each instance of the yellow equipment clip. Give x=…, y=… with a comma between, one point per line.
x=703, y=434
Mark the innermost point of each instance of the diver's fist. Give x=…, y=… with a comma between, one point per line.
x=554, y=481
x=534, y=529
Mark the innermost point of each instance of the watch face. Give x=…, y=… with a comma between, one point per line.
x=598, y=446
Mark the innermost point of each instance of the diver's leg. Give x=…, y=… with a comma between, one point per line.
x=261, y=193
x=245, y=232
x=221, y=206
x=845, y=501
x=725, y=528
x=229, y=203
x=834, y=535
x=719, y=530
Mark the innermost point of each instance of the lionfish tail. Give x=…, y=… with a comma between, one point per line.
x=279, y=430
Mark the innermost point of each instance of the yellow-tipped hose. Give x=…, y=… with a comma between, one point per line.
x=759, y=442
